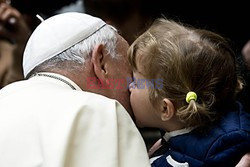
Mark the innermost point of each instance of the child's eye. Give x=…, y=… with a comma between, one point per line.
x=133, y=85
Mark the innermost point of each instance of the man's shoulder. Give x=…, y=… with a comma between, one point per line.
x=45, y=97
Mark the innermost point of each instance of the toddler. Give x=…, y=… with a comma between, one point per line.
x=195, y=103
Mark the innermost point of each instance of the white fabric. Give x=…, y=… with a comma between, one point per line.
x=56, y=34
x=43, y=122
x=175, y=163
x=168, y=135
x=154, y=158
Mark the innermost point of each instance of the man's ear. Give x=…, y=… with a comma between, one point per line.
x=98, y=60
x=167, y=109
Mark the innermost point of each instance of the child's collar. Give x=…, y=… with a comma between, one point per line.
x=168, y=135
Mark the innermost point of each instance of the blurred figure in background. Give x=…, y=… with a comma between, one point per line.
x=17, y=22
x=14, y=33
x=244, y=59
x=47, y=8
x=130, y=17
x=246, y=54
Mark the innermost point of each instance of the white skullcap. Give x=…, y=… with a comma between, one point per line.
x=55, y=35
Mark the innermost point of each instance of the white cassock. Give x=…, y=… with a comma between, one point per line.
x=45, y=123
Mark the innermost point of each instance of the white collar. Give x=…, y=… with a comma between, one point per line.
x=58, y=77
x=168, y=135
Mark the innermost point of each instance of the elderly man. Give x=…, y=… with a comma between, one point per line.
x=56, y=118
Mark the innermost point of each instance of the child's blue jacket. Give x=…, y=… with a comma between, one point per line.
x=222, y=145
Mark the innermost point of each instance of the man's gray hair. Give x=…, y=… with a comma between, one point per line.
x=81, y=51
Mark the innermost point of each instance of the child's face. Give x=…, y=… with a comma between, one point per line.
x=145, y=114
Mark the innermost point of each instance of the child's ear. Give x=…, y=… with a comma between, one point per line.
x=98, y=60
x=167, y=109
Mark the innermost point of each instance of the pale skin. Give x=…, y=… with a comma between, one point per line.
x=146, y=115
x=105, y=68
x=245, y=161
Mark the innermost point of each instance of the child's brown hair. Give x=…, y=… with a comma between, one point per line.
x=187, y=59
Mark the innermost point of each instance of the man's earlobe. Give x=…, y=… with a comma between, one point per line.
x=97, y=59
x=167, y=109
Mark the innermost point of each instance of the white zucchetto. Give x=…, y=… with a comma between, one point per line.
x=55, y=35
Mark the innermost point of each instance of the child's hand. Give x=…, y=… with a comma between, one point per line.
x=245, y=160
x=246, y=53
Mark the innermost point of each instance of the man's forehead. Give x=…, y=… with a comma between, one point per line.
x=121, y=39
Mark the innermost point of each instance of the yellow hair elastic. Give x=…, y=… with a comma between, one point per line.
x=191, y=96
